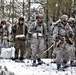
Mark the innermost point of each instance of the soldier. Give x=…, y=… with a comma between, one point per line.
x=71, y=23
x=1, y=32
x=9, y=33
x=20, y=31
x=5, y=35
x=62, y=40
x=37, y=32
x=1, y=36
x=54, y=51
x=2, y=26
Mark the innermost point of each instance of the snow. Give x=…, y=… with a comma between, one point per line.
x=7, y=52
x=17, y=0
x=27, y=69
x=35, y=5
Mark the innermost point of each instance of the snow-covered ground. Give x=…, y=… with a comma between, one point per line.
x=27, y=69
x=15, y=68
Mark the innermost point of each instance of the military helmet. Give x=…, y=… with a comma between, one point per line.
x=39, y=16
x=64, y=18
x=71, y=20
x=21, y=19
x=3, y=22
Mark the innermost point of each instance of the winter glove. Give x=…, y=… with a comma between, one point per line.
x=70, y=41
x=58, y=43
x=29, y=36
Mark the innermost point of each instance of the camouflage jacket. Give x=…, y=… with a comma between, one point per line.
x=36, y=27
x=19, y=31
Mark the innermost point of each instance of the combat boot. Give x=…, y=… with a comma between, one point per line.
x=65, y=64
x=21, y=58
x=34, y=63
x=73, y=63
x=40, y=62
x=14, y=58
x=58, y=66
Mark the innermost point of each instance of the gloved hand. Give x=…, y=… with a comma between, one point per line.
x=58, y=43
x=29, y=36
x=70, y=41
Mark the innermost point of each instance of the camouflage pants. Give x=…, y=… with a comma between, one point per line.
x=64, y=53
x=19, y=45
x=72, y=52
x=55, y=52
x=38, y=47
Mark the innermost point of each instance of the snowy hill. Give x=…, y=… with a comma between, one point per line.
x=16, y=68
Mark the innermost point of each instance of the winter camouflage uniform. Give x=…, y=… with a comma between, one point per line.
x=20, y=32
x=54, y=51
x=5, y=36
x=37, y=32
x=71, y=23
x=1, y=36
x=2, y=26
x=62, y=34
x=1, y=32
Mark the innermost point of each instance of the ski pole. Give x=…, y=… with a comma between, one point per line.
x=49, y=48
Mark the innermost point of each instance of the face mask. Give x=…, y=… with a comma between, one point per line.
x=64, y=22
x=71, y=24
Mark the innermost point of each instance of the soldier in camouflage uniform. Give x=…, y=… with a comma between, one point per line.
x=1, y=36
x=71, y=23
x=54, y=51
x=37, y=32
x=2, y=26
x=62, y=40
x=5, y=35
x=1, y=32
x=20, y=31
